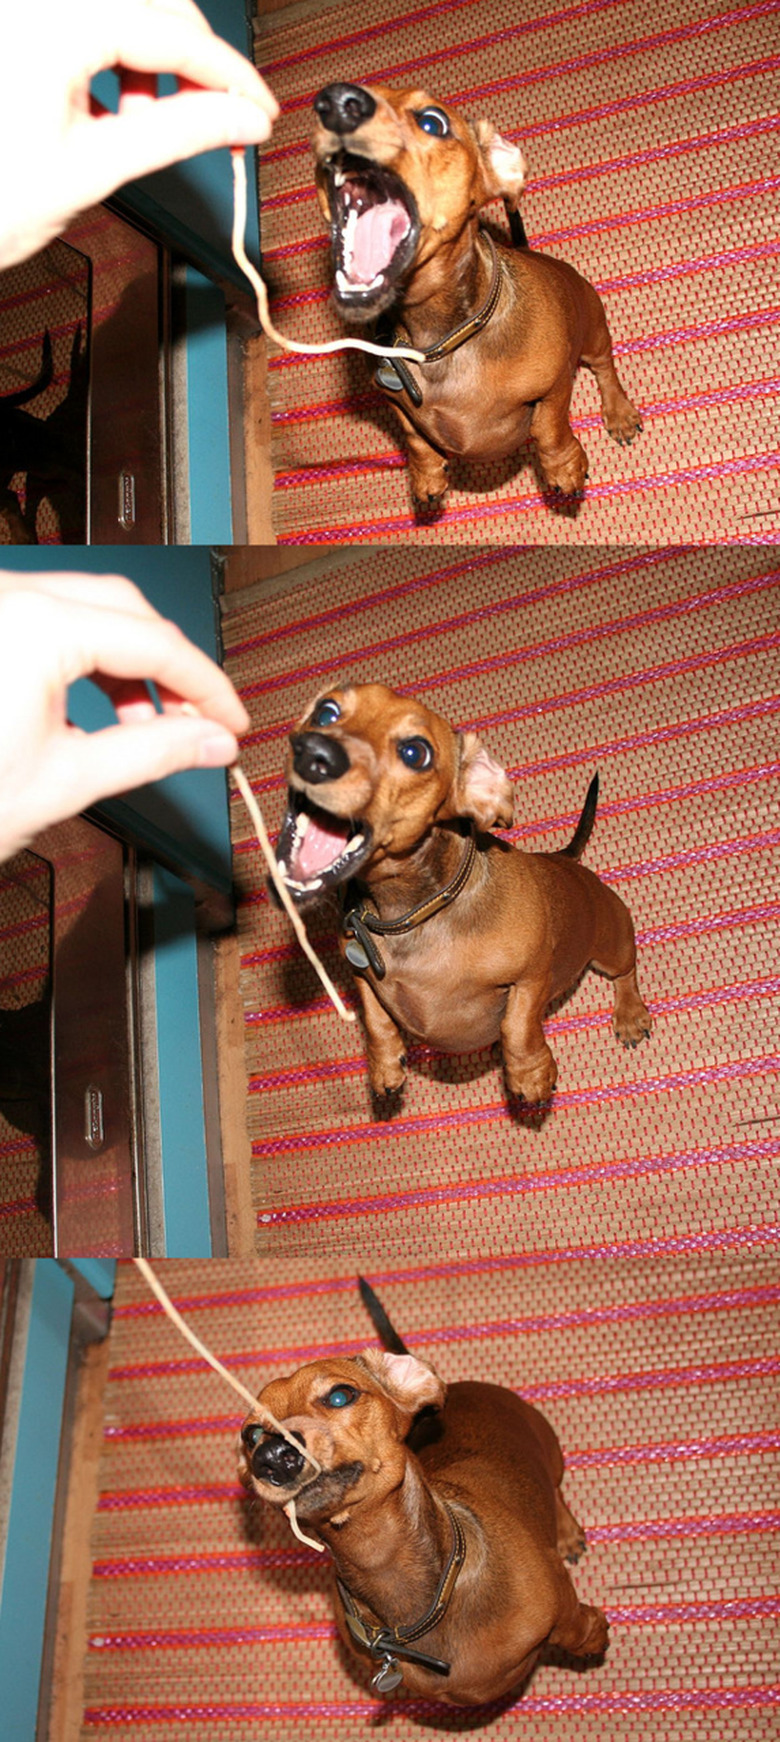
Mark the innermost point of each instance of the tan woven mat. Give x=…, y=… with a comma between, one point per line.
x=651, y=138
x=617, y=1264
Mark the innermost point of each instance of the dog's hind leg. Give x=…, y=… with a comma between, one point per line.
x=619, y=416
x=615, y=957
x=631, y=1019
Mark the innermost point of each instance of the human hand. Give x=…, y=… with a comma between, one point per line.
x=64, y=156
x=55, y=628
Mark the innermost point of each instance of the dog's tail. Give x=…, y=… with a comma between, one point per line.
x=516, y=227
x=380, y=1320
x=582, y=833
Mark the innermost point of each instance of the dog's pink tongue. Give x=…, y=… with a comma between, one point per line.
x=377, y=234
x=322, y=845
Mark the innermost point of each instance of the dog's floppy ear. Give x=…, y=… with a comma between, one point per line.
x=503, y=164
x=481, y=790
x=410, y=1383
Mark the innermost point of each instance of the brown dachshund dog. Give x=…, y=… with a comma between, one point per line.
x=448, y=1533
x=401, y=179
x=456, y=937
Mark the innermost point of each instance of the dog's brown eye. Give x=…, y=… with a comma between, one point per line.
x=326, y=713
x=252, y=1434
x=416, y=753
x=433, y=121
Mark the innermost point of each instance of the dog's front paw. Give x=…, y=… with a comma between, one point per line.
x=632, y=1025
x=428, y=507
x=429, y=484
x=534, y=1079
x=568, y=474
x=597, y=1638
x=570, y=1534
x=624, y=422
x=387, y=1077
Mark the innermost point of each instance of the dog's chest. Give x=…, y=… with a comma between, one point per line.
x=431, y=992
x=470, y=408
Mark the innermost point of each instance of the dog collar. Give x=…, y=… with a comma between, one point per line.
x=395, y=375
x=359, y=921
x=387, y=1644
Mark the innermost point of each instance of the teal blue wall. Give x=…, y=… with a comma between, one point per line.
x=208, y=425
x=182, y=1127
x=24, y=1576
x=28, y=1544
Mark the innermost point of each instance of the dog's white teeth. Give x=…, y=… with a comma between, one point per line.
x=352, y=287
x=350, y=227
x=346, y=285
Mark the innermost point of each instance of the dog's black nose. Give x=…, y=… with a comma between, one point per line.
x=341, y=108
x=317, y=758
x=275, y=1460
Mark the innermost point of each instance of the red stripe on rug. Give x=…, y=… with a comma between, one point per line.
x=743, y=466
x=618, y=1700
x=622, y=1312
x=669, y=611
x=560, y=1179
x=713, y=1240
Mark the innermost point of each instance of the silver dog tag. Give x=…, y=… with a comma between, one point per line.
x=387, y=376
x=355, y=953
x=388, y=1676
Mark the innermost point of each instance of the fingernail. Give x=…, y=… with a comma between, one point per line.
x=219, y=749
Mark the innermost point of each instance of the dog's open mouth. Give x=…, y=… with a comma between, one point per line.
x=374, y=231
x=316, y=850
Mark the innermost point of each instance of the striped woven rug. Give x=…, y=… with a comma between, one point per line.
x=616, y=1263
x=651, y=141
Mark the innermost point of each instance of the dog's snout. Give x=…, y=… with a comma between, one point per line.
x=317, y=758
x=275, y=1460
x=342, y=108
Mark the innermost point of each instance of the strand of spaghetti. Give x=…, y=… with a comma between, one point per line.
x=174, y=1315
x=290, y=1515
x=284, y=895
x=240, y=257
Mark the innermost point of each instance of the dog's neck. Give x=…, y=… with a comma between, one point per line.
x=391, y=1558
x=395, y=884
x=447, y=289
